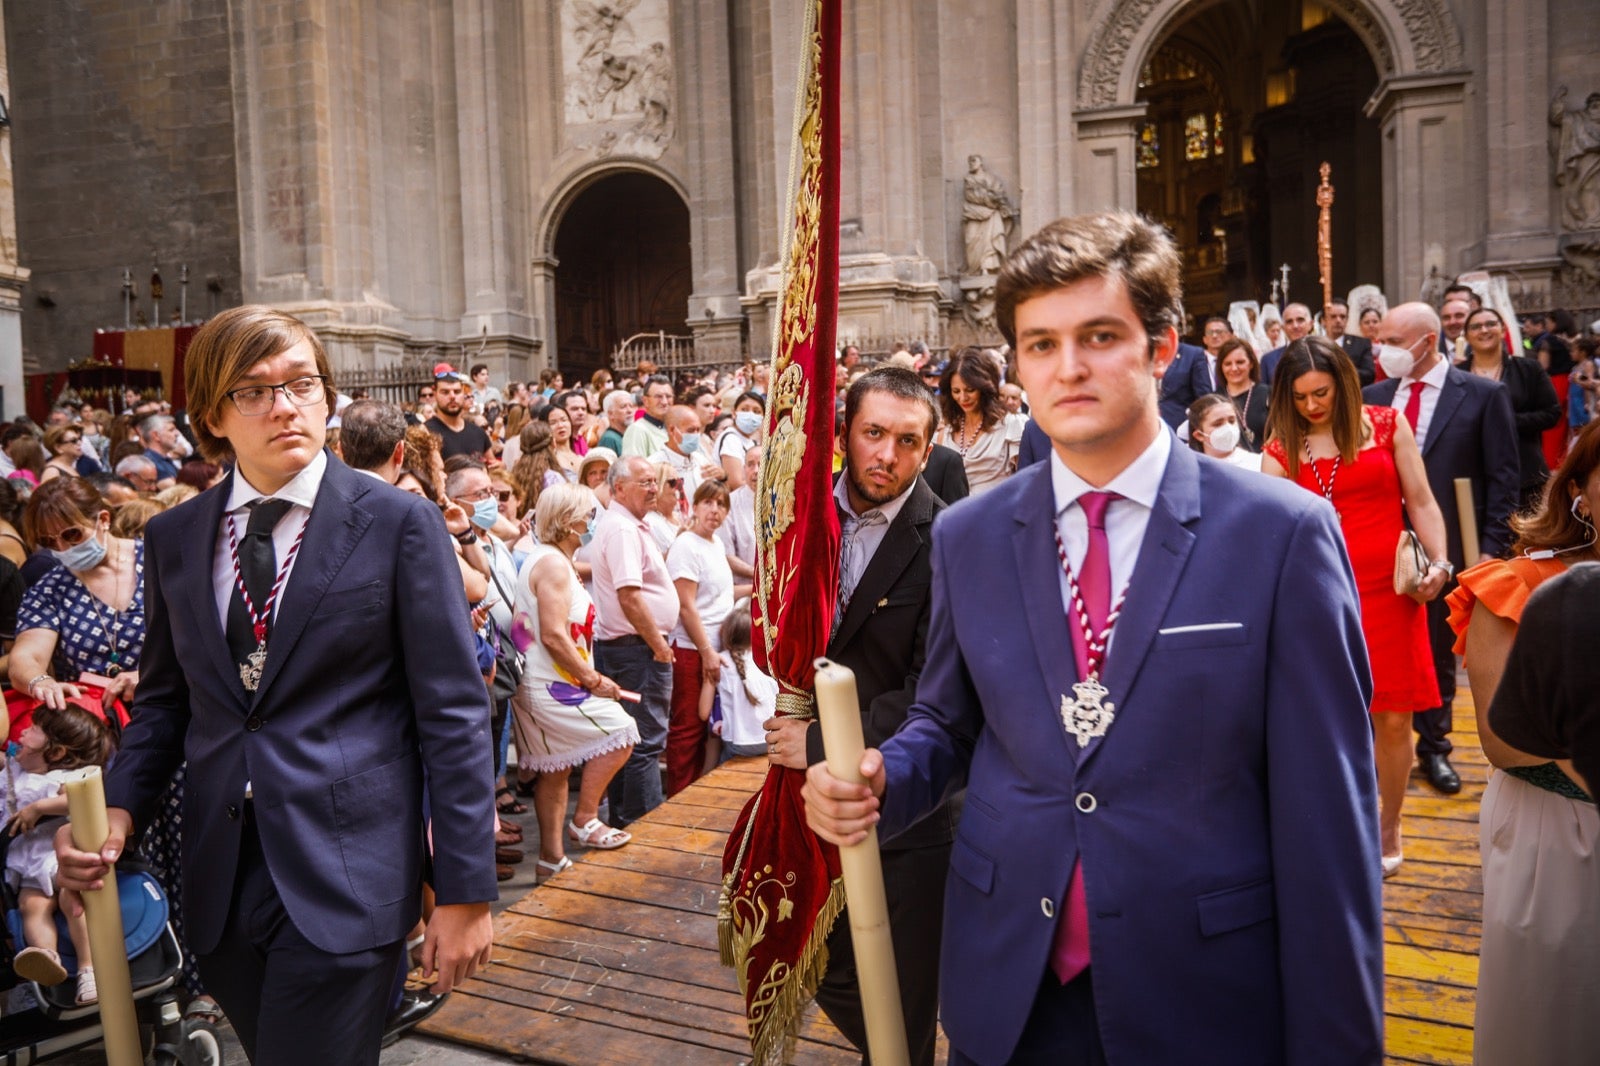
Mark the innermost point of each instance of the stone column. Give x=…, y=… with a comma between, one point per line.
x=1106, y=143
x=1044, y=114
x=13, y=275
x=704, y=119
x=494, y=227
x=1425, y=182
x=1519, y=227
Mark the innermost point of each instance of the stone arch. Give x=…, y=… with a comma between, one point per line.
x=1405, y=37
x=568, y=187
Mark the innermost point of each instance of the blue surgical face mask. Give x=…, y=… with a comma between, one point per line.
x=81, y=557
x=690, y=444
x=747, y=422
x=485, y=513
x=588, y=532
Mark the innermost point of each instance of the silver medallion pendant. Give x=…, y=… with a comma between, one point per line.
x=1089, y=715
x=250, y=669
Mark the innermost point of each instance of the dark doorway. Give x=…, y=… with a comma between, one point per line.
x=1244, y=102
x=622, y=251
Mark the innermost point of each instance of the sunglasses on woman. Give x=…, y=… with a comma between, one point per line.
x=70, y=537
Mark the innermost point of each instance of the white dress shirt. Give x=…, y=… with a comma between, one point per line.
x=1434, y=379
x=300, y=491
x=1126, y=519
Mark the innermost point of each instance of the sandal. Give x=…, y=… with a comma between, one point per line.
x=598, y=835
x=204, y=1009
x=87, y=993
x=39, y=965
x=510, y=805
x=547, y=870
x=509, y=856
x=525, y=788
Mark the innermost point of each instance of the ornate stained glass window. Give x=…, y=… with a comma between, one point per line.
x=1196, y=137
x=1149, y=146
x=1217, y=143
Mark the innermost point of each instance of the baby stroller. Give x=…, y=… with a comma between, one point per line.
x=57, y=1024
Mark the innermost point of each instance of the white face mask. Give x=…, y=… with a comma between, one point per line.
x=1396, y=362
x=1225, y=438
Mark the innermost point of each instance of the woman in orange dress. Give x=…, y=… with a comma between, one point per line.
x=1365, y=461
x=1539, y=833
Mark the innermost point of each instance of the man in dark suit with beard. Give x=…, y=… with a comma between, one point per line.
x=880, y=625
x=1335, y=317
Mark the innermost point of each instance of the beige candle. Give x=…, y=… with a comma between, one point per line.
x=839, y=711
x=1469, y=520
x=86, y=806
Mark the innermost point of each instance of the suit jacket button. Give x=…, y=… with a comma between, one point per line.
x=233, y=810
x=1048, y=905
x=252, y=723
x=1086, y=803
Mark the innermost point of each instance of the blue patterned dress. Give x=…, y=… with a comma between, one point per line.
x=86, y=632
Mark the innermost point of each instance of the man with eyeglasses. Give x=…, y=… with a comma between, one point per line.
x=140, y=472
x=648, y=434
x=636, y=606
x=319, y=685
x=458, y=435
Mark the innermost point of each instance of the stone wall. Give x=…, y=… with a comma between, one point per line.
x=123, y=145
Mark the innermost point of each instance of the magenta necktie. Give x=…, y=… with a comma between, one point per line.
x=1069, y=954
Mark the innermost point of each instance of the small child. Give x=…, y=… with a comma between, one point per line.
x=747, y=696
x=57, y=741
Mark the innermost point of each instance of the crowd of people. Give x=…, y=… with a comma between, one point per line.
x=598, y=543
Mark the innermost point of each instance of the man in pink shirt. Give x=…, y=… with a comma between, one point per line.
x=635, y=606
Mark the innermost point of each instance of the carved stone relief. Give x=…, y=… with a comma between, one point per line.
x=987, y=218
x=1429, y=27
x=618, y=76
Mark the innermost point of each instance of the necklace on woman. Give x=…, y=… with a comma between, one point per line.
x=114, y=630
x=1494, y=373
x=1333, y=475
x=962, y=443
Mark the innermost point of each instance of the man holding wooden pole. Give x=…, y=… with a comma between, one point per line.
x=1466, y=430
x=1154, y=864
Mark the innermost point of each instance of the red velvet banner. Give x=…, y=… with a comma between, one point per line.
x=781, y=887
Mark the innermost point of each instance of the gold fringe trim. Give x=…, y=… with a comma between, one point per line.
x=772, y=1039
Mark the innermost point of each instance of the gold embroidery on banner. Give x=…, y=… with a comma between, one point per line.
x=783, y=455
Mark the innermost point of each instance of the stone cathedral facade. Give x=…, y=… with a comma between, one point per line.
x=537, y=180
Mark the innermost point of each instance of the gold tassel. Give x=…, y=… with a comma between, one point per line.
x=773, y=1041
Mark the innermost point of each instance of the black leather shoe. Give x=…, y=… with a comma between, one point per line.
x=1440, y=774
x=414, y=1006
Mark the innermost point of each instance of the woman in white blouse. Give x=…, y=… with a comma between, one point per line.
x=975, y=422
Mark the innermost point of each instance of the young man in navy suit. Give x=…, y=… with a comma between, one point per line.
x=326, y=671
x=1197, y=842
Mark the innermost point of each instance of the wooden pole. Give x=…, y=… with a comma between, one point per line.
x=1325, y=234
x=1468, y=514
x=86, y=806
x=839, y=710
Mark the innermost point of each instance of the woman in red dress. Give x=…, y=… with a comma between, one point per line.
x=1365, y=461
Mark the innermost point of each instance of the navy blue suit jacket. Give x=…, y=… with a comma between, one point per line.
x=370, y=684
x=1472, y=434
x=1035, y=446
x=1186, y=380
x=1269, y=363
x=1227, y=822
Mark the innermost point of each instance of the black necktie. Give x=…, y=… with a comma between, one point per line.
x=258, y=563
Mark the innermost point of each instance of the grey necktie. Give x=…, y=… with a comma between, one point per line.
x=853, y=555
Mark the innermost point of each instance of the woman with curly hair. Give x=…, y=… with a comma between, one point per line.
x=423, y=459
x=537, y=468
x=975, y=422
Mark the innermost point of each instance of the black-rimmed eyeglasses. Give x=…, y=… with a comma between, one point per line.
x=255, y=400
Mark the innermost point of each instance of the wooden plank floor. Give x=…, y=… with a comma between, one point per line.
x=615, y=961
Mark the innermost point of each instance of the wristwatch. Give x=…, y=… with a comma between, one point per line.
x=467, y=539
x=1442, y=564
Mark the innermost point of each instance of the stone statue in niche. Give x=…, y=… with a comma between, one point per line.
x=618, y=73
x=1578, y=160
x=987, y=218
